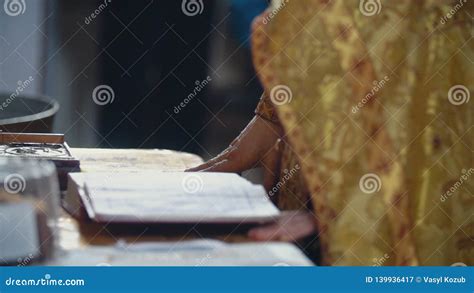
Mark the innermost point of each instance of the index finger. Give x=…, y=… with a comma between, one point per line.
x=219, y=158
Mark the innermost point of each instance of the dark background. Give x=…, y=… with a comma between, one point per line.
x=151, y=54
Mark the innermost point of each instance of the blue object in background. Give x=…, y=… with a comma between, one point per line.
x=243, y=13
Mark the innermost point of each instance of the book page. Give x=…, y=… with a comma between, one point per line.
x=176, y=197
x=188, y=253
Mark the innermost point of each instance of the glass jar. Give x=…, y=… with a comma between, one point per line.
x=29, y=203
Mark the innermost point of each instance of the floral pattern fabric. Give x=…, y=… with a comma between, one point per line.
x=374, y=97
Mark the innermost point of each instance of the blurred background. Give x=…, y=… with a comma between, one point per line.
x=173, y=74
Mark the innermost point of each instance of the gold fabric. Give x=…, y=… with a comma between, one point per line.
x=377, y=113
x=292, y=192
x=266, y=110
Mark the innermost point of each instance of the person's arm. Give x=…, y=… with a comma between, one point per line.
x=257, y=145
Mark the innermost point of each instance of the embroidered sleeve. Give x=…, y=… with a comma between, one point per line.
x=266, y=109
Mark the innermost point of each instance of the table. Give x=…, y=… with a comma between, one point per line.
x=74, y=235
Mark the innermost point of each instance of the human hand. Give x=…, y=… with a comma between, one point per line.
x=290, y=227
x=257, y=145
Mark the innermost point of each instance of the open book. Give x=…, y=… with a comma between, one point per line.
x=187, y=253
x=168, y=197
